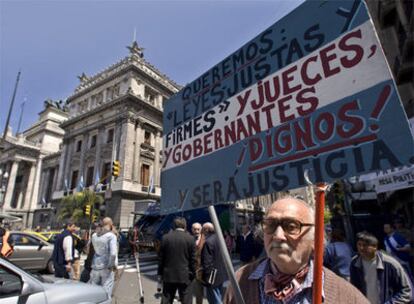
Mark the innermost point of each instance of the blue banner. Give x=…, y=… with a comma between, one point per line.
x=312, y=92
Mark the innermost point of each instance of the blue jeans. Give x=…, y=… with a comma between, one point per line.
x=214, y=294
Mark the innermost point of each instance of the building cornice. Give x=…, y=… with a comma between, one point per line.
x=136, y=102
x=120, y=68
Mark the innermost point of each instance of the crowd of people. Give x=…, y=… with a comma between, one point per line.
x=283, y=271
x=102, y=255
x=276, y=257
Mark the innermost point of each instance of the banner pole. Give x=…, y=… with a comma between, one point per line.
x=319, y=236
x=226, y=256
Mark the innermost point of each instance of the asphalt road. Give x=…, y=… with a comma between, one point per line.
x=126, y=291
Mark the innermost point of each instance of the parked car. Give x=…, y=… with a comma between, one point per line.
x=18, y=286
x=49, y=236
x=31, y=252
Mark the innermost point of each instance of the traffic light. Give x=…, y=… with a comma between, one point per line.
x=87, y=210
x=94, y=218
x=116, y=168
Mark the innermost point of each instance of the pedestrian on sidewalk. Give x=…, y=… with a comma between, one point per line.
x=6, y=249
x=199, y=238
x=380, y=277
x=338, y=255
x=398, y=247
x=105, y=259
x=246, y=245
x=64, y=251
x=176, y=266
x=214, y=270
x=228, y=238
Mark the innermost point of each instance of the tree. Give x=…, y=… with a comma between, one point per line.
x=73, y=206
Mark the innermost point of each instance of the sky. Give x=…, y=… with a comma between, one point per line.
x=52, y=42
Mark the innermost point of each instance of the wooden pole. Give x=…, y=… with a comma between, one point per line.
x=319, y=237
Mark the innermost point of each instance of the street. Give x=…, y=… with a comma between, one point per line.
x=127, y=292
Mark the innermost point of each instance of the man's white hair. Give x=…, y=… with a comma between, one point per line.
x=196, y=224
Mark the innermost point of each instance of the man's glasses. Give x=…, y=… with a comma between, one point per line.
x=289, y=226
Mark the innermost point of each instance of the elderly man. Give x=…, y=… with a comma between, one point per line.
x=286, y=274
x=196, y=232
x=214, y=270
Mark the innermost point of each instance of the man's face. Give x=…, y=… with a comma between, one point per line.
x=387, y=228
x=365, y=250
x=196, y=229
x=245, y=229
x=289, y=253
x=72, y=228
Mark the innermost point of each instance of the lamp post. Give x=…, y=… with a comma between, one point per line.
x=4, y=176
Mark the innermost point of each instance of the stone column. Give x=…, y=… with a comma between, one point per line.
x=62, y=165
x=126, y=154
x=137, y=153
x=98, y=160
x=82, y=159
x=157, y=159
x=44, y=177
x=55, y=176
x=35, y=194
x=67, y=172
x=30, y=184
x=10, y=185
x=140, y=89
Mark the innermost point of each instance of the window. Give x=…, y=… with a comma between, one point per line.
x=150, y=95
x=23, y=240
x=110, y=136
x=10, y=283
x=97, y=99
x=145, y=169
x=147, y=137
x=93, y=141
x=74, y=179
x=106, y=172
x=83, y=106
x=89, y=176
x=79, y=146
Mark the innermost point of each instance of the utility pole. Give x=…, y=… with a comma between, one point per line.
x=21, y=115
x=11, y=106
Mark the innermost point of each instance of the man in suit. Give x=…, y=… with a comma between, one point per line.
x=246, y=245
x=177, y=263
x=212, y=261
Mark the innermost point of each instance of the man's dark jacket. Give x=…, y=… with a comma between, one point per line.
x=211, y=259
x=177, y=257
x=58, y=254
x=393, y=282
x=247, y=248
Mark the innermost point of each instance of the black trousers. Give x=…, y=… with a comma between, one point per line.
x=60, y=271
x=184, y=292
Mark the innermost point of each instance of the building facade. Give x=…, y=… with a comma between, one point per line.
x=115, y=115
x=22, y=162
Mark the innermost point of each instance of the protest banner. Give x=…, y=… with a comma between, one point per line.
x=312, y=92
